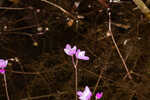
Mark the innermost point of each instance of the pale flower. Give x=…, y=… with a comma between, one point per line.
x=85, y=95
x=81, y=55
x=70, y=51
x=99, y=95
x=2, y=71
x=3, y=63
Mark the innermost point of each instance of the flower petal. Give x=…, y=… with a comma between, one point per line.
x=2, y=71
x=85, y=95
x=81, y=55
x=99, y=95
x=3, y=63
x=70, y=51
x=85, y=58
x=68, y=46
x=79, y=93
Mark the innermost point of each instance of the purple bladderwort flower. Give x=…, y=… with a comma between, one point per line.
x=3, y=64
x=99, y=95
x=2, y=71
x=85, y=95
x=81, y=55
x=70, y=51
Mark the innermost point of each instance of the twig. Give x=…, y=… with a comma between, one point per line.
x=110, y=31
x=10, y=8
x=27, y=73
x=144, y=9
x=44, y=96
x=59, y=7
x=100, y=76
x=102, y=71
x=22, y=28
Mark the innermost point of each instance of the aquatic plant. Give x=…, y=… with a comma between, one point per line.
x=79, y=55
x=3, y=64
x=87, y=94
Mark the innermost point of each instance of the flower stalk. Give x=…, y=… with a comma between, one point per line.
x=3, y=65
x=73, y=52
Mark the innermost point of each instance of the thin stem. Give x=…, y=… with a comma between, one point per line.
x=129, y=75
x=46, y=96
x=10, y=8
x=76, y=62
x=73, y=62
x=123, y=61
x=22, y=28
x=76, y=82
x=95, y=98
x=6, y=87
x=26, y=73
x=76, y=75
x=100, y=76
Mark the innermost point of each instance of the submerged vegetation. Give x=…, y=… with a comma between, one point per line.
x=115, y=37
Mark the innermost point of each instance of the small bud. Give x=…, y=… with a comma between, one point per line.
x=38, y=10
x=46, y=29
x=35, y=43
x=108, y=34
x=76, y=4
x=39, y=28
x=89, y=6
x=5, y=27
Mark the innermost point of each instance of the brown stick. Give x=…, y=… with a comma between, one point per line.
x=144, y=9
x=123, y=61
x=59, y=7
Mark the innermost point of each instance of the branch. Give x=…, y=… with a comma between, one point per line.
x=144, y=9
x=59, y=7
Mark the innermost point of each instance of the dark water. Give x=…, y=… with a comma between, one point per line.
x=36, y=34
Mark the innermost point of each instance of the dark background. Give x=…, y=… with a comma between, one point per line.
x=42, y=71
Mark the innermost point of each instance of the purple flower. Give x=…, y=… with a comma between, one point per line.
x=99, y=95
x=81, y=55
x=70, y=51
x=2, y=71
x=85, y=95
x=3, y=63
